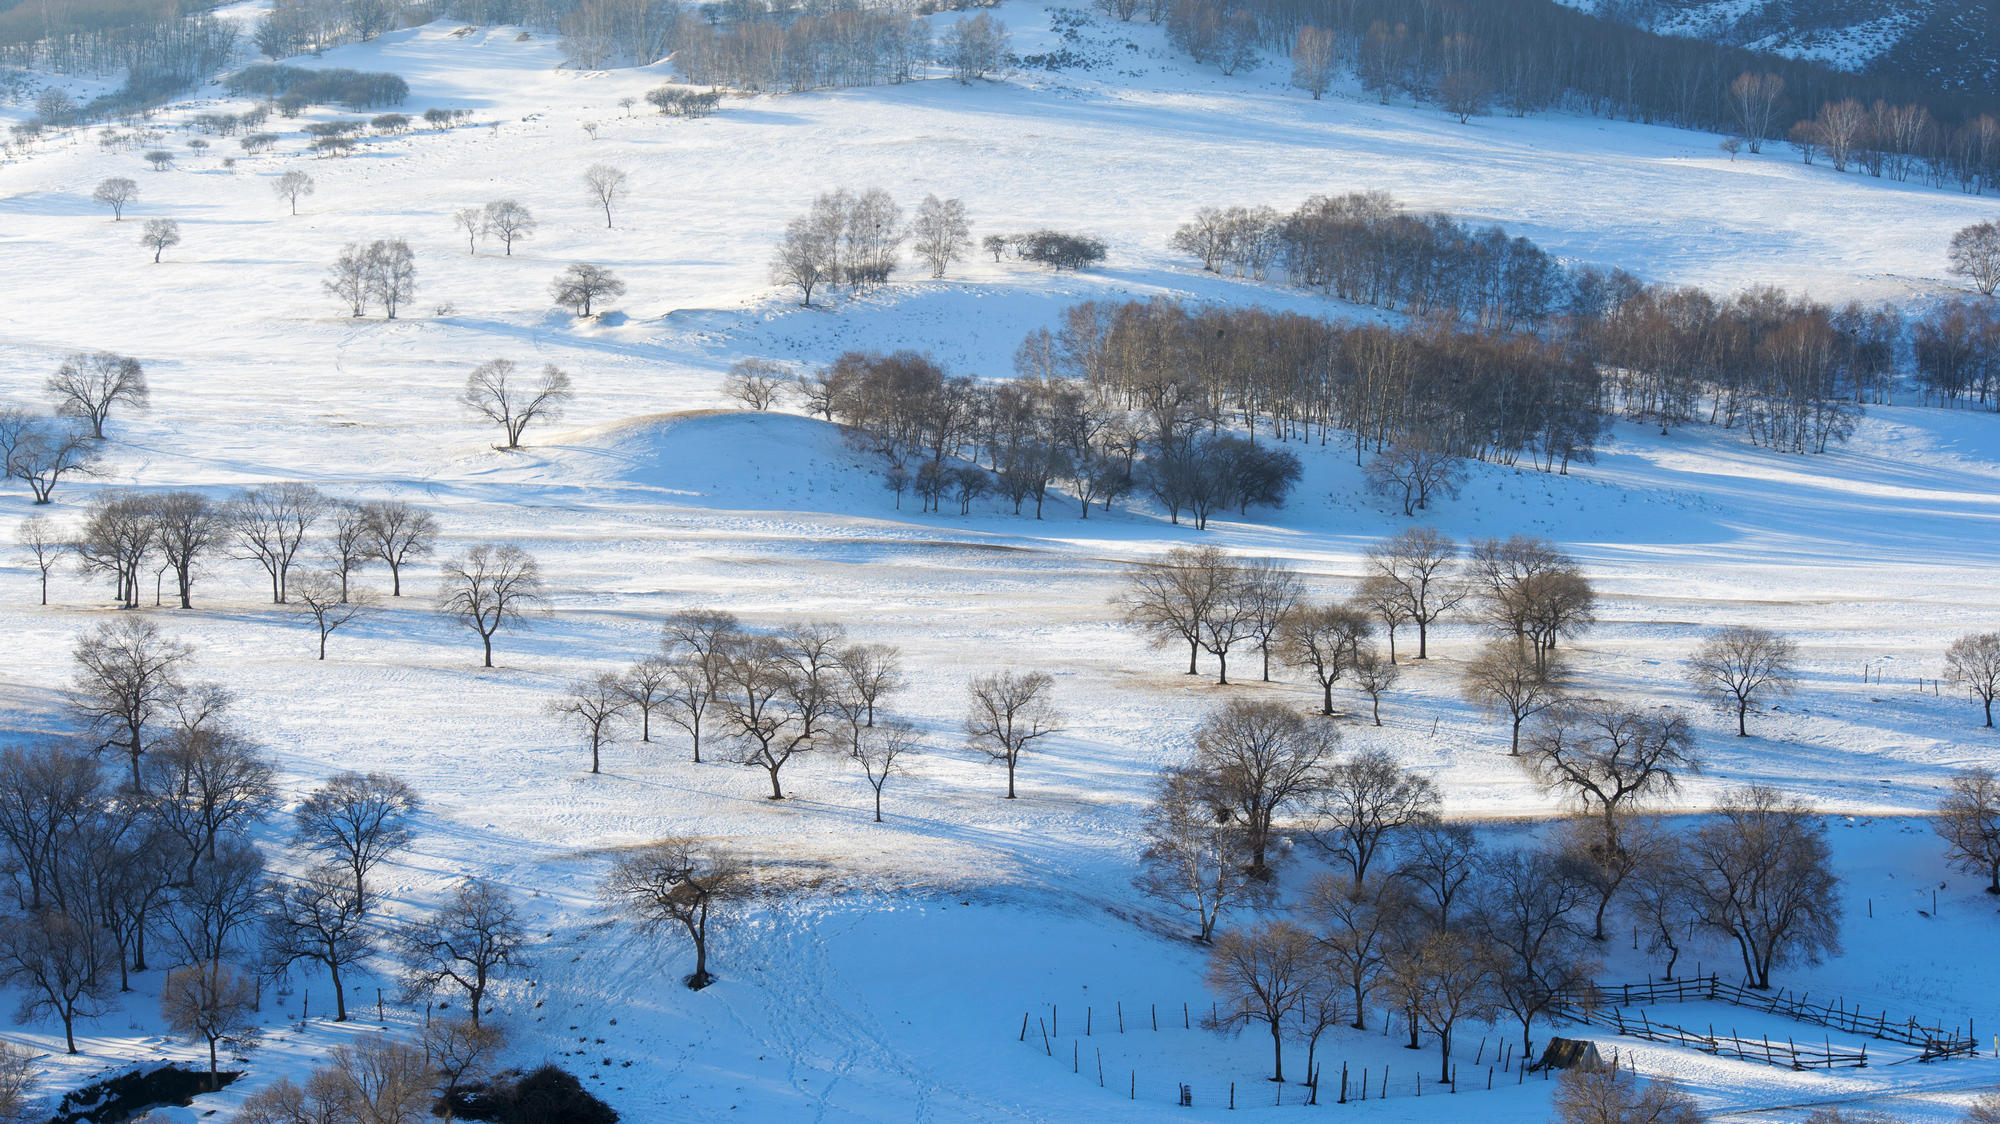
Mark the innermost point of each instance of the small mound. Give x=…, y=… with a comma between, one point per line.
x=730, y=459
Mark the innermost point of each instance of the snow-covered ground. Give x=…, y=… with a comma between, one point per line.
x=886, y=974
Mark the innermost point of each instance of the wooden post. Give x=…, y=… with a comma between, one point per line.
x=1232, y=1096
x=1075, y=1056
x=1156, y=1018
x=1086, y=1022
x=1185, y=1024
x=1121, y=1016
x=378, y=1006
x=1024, y=1022
x=1133, y=1095
x=1046, y=1048
x=1055, y=1023
x=1343, y=1083
x=1100, y=1067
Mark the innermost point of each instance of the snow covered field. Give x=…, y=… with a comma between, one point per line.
x=886, y=974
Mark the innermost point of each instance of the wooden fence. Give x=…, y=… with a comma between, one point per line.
x=1934, y=1043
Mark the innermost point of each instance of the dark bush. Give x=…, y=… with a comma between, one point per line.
x=549, y=1095
x=296, y=85
x=118, y=1099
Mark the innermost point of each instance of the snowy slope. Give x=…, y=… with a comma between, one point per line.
x=885, y=972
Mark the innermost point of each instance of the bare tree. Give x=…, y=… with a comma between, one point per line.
x=320, y=597
x=315, y=918
x=1313, y=60
x=1268, y=594
x=459, y=1052
x=869, y=672
x=768, y=706
x=1532, y=591
x=390, y=274
x=269, y=524
x=511, y=221
x=1524, y=923
x=214, y=1002
x=879, y=751
x=347, y=278
x=45, y=544
x=808, y=255
x=86, y=387
x=1364, y=803
x=1438, y=859
x=1442, y=979
x=119, y=533
x=1375, y=676
x=593, y=707
x=1416, y=568
x=356, y=820
x=1975, y=255
x=1740, y=665
x=205, y=785
x=581, y=284
x=187, y=527
x=1973, y=662
x=974, y=46
x=159, y=236
x=1259, y=975
x=472, y=221
x=1417, y=470
x=1506, y=676
x=647, y=687
x=1762, y=875
x=1355, y=926
x=1259, y=759
x=17, y=1079
x=1968, y=820
x=698, y=645
x=940, y=233
x=488, y=588
x=1195, y=860
x=605, y=185
x=1325, y=640
x=1613, y=1096
x=1009, y=711
x=42, y=454
x=1170, y=597
x=116, y=193
x=127, y=675
x=350, y=546
x=58, y=965
x=493, y=392
x=471, y=940
x=678, y=883
x=46, y=792
x=397, y=533
x=756, y=383
x=293, y=186
x=1607, y=758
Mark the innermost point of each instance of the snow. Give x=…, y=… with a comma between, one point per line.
x=885, y=972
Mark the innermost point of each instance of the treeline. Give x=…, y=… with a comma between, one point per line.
x=1530, y=55
x=1788, y=370
x=295, y=87
x=1957, y=349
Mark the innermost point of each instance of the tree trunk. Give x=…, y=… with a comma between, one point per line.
x=1194, y=649
x=1222, y=668
x=486, y=638
x=1326, y=698
x=395, y=581
x=593, y=754
x=1277, y=1052
x=776, y=792
x=1010, y=778
x=1742, y=705
x=69, y=1029
x=339, y=993
x=878, y=803
x=1423, y=640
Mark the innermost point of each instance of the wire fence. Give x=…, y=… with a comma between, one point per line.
x=1495, y=1062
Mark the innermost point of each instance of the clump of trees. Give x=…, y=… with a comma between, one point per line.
x=673, y=102
x=844, y=239
x=382, y=272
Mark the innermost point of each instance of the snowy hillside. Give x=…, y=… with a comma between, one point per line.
x=895, y=972
x=1938, y=44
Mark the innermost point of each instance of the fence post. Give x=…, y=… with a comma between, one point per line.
x=1075, y=1056
x=1046, y=1048
x=1086, y=1022
x=1100, y=1067
x=1343, y=1082
x=1121, y=1016
x=1024, y=1026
